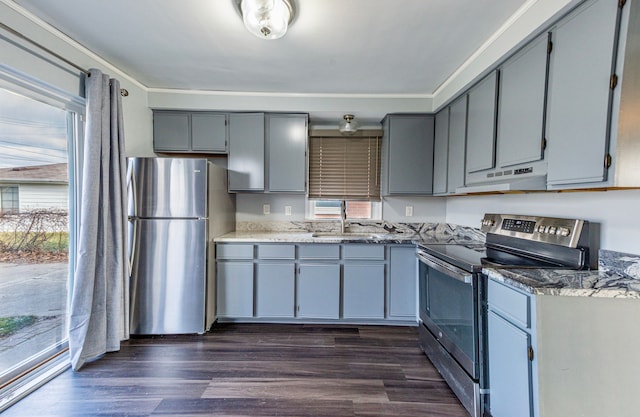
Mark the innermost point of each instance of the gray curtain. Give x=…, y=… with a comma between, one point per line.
x=99, y=305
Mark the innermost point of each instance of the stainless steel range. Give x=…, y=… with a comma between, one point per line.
x=453, y=290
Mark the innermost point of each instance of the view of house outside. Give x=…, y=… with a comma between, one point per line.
x=34, y=231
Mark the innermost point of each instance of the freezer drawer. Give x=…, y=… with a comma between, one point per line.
x=168, y=276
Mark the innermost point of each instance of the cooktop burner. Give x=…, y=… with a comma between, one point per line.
x=465, y=256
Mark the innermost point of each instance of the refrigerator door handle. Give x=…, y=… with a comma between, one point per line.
x=131, y=188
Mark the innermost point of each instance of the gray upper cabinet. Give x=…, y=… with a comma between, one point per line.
x=246, y=152
x=481, y=123
x=521, y=107
x=579, y=94
x=171, y=131
x=208, y=132
x=407, y=155
x=198, y=132
x=286, y=149
x=457, y=143
x=441, y=152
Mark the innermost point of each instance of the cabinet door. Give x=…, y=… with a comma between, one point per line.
x=318, y=291
x=509, y=369
x=246, y=152
x=275, y=289
x=457, y=144
x=171, y=131
x=235, y=289
x=363, y=291
x=441, y=152
x=403, y=278
x=409, y=154
x=523, y=81
x=208, y=132
x=481, y=125
x=287, y=147
x=579, y=94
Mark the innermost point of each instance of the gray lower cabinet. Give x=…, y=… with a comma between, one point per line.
x=509, y=369
x=196, y=132
x=545, y=353
x=579, y=94
x=246, y=152
x=407, y=155
x=286, y=152
x=318, y=291
x=363, y=291
x=509, y=340
x=402, y=282
x=316, y=281
x=234, y=285
x=275, y=283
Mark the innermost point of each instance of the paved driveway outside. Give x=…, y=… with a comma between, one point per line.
x=32, y=289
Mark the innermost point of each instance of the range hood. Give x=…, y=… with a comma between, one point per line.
x=538, y=182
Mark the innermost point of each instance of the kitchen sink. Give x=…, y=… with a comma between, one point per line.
x=347, y=235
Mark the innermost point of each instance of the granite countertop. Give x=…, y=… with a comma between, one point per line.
x=618, y=276
x=328, y=237
x=359, y=232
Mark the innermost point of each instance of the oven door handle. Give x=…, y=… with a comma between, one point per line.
x=450, y=270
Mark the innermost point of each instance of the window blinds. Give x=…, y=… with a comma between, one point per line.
x=344, y=168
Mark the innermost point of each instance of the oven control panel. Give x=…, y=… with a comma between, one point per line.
x=518, y=225
x=559, y=231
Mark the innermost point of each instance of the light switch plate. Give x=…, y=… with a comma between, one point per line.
x=408, y=211
x=266, y=209
x=287, y=210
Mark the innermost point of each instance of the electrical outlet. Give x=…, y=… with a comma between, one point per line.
x=266, y=209
x=408, y=211
x=287, y=210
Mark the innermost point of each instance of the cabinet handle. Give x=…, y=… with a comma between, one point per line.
x=530, y=353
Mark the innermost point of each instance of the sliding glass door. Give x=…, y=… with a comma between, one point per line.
x=37, y=142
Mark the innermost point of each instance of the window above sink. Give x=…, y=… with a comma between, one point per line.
x=356, y=210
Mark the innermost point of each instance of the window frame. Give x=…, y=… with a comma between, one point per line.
x=338, y=185
x=310, y=210
x=15, y=191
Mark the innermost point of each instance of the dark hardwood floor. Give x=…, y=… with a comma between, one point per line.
x=255, y=370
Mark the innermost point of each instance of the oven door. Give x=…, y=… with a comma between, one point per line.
x=448, y=308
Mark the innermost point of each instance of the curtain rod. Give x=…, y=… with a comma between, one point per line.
x=123, y=91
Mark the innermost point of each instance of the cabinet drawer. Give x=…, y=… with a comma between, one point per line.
x=276, y=251
x=233, y=251
x=509, y=303
x=363, y=251
x=319, y=251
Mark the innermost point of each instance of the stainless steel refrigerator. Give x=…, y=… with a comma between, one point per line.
x=171, y=221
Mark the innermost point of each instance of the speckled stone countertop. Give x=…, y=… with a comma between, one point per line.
x=359, y=232
x=618, y=276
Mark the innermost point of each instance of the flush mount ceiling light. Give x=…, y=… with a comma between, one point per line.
x=348, y=125
x=266, y=19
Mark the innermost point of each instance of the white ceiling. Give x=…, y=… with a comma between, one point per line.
x=394, y=47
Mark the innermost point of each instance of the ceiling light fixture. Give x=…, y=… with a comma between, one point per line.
x=266, y=19
x=348, y=125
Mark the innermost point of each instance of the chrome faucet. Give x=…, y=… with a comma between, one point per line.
x=343, y=217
